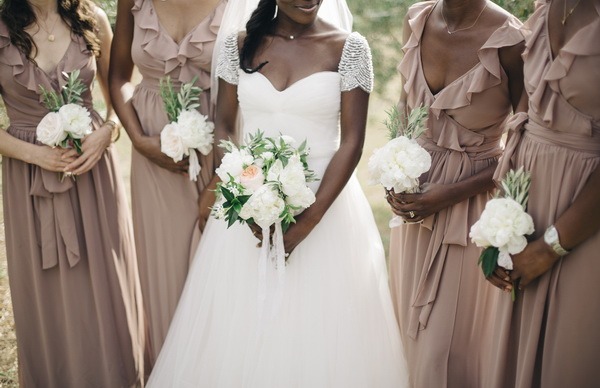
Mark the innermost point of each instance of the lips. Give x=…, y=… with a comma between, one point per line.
x=308, y=8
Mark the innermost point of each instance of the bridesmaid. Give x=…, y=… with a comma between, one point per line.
x=549, y=337
x=71, y=259
x=462, y=59
x=174, y=38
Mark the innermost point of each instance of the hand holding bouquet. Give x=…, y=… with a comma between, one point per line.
x=399, y=164
x=504, y=223
x=188, y=130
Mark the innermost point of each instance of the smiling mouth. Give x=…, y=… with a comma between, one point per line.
x=308, y=7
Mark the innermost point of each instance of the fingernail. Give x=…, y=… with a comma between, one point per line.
x=507, y=278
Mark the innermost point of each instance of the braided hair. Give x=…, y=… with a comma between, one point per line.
x=259, y=25
x=78, y=14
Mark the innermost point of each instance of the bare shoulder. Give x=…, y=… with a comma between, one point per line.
x=101, y=17
x=497, y=15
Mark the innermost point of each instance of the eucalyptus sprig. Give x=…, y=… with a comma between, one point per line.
x=70, y=93
x=186, y=98
x=412, y=126
x=516, y=185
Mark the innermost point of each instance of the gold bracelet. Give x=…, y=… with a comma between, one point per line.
x=114, y=128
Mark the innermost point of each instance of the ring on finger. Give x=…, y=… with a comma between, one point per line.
x=411, y=214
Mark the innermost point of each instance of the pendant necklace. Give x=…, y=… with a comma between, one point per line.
x=465, y=28
x=50, y=33
x=565, y=14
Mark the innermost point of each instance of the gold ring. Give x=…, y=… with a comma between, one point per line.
x=411, y=214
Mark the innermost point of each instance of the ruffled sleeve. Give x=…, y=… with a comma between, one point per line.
x=228, y=64
x=356, y=64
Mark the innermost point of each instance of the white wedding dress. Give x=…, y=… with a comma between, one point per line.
x=335, y=326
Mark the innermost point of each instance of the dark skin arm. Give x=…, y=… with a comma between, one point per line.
x=578, y=223
x=353, y=119
x=121, y=91
x=225, y=129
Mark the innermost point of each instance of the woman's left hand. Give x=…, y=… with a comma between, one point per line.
x=432, y=198
x=92, y=148
x=535, y=260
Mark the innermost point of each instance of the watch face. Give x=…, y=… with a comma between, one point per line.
x=551, y=235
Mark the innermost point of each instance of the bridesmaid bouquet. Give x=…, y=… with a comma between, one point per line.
x=502, y=227
x=188, y=130
x=263, y=181
x=399, y=164
x=68, y=121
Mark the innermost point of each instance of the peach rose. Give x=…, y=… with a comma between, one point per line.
x=252, y=177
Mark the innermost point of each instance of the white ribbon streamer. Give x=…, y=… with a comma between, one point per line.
x=271, y=273
x=194, y=167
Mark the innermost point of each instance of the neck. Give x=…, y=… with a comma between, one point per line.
x=287, y=28
x=457, y=11
x=43, y=8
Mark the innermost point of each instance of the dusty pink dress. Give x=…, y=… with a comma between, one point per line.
x=71, y=257
x=441, y=298
x=165, y=204
x=550, y=337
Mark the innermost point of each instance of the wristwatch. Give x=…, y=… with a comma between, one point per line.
x=551, y=238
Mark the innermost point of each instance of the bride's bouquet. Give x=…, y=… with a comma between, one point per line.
x=504, y=223
x=399, y=163
x=263, y=181
x=187, y=130
x=68, y=121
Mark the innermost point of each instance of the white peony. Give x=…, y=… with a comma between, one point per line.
x=264, y=206
x=76, y=119
x=171, y=142
x=196, y=131
x=505, y=261
x=233, y=164
x=504, y=225
x=302, y=198
x=290, y=141
x=399, y=164
x=50, y=130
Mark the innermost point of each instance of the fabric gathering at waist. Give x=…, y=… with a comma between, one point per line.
x=484, y=151
x=153, y=84
x=575, y=142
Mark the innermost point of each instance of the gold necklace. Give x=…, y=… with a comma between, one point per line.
x=50, y=33
x=462, y=29
x=565, y=14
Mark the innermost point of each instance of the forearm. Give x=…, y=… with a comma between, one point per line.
x=15, y=148
x=334, y=180
x=582, y=219
x=478, y=183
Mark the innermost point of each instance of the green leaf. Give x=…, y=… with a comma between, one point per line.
x=489, y=260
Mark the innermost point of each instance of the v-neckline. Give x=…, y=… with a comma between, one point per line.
x=422, y=68
x=48, y=74
x=164, y=31
x=298, y=81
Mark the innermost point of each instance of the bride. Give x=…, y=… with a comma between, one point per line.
x=304, y=75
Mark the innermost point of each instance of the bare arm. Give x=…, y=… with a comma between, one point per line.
x=121, y=92
x=52, y=159
x=225, y=129
x=578, y=223
x=354, y=107
x=94, y=145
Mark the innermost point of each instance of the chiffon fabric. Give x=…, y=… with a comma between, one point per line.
x=164, y=203
x=71, y=258
x=441, y=299
x=335, y=326
x=549, y=337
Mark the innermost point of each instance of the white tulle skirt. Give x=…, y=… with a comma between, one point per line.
x=334, y=327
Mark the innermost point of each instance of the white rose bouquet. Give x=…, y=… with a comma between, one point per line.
x=504, y=223
x=187, y=130
x=263, y=181
x=399, y=164
x=68, y=121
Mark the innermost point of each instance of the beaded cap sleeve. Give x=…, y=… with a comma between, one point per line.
x=228, y=64
x=356, y=64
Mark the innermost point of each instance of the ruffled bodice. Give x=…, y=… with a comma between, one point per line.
x=468, y=114
x=552, y=82
x=20, y=81
x=156, y=54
